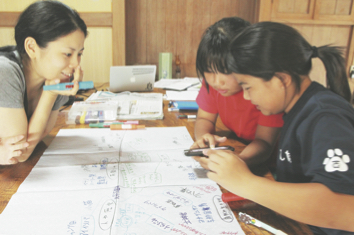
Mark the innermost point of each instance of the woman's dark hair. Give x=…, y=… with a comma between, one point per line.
x=266, y=48
x=46, y=21
x=213, y=48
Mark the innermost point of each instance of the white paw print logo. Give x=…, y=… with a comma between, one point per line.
x=336, y=161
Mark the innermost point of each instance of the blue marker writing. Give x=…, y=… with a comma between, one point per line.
x=68, y=86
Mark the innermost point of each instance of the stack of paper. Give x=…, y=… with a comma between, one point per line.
x=117, y=106
x=98, y=181
x=179, y=84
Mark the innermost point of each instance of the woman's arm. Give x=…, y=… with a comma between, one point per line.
x=51, y=122
x=259, y=150
x=310, y=203
x=38, y=122
x=13, y=122
x=42, y=120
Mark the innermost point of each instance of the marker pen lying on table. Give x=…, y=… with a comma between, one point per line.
x=126, y=127
x=68, y=86
x=103, y=125
x=230, y=197
x=108, y=124
x=247, y=219
x=187, y=116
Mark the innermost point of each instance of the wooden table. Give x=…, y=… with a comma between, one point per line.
x=13, y=175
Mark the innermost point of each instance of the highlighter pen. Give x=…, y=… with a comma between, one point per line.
x=108, y=124
x=187, y=116
x=126, y=127
x=68, y=86
x=230, y=197
x=82, y=118
x=101, y=116
x=103, y=125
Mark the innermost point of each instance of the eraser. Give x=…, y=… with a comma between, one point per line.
x=69, y=85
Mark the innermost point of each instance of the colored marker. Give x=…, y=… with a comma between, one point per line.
x=103, y=125
x=126, y=127
x=230, y=197
x=173, y=109
x=108, y=124
x=82, y=118
x=187, y=116
x=247, y=219
x=68, y=86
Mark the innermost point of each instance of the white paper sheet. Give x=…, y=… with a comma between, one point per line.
x=60, y=212
x=178, y=84
x=75, y=141
x=97, y=181
x=182, y=95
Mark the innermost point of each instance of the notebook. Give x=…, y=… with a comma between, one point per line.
x=132, y=78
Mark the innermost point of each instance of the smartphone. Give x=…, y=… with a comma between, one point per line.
x=199, y=152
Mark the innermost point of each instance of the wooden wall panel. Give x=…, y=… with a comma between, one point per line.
x=97, y=57
x=294, y=7
x=106, y=25
x=7, y=36
x=83, y=6
x=319, y=35
x=175, y=26
x=335, y=7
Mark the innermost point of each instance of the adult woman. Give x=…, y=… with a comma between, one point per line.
x=49, y=43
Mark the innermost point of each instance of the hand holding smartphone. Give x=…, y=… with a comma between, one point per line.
x=199, y=151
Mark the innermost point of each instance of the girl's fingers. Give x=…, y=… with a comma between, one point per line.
x=220, y=139
x=202, y=161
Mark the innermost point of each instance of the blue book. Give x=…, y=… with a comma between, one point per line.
x=69, y=85
x=186, y=105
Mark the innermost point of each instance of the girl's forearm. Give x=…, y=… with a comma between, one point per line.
x=256, y=152
x=309, y=203
x=203, y=126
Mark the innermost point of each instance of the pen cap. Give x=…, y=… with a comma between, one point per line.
x=126, y=127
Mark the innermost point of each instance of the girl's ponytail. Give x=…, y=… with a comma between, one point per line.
x=337, y=79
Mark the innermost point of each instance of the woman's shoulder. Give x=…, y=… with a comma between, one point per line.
x=11, y=73
x=9, y=66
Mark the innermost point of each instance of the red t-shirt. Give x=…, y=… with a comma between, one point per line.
x=237, y=114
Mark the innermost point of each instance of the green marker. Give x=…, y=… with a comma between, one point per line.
x=103, y=125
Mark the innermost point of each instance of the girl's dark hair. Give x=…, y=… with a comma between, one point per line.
x=265, y=48
x=213, y=48
x=46, y=21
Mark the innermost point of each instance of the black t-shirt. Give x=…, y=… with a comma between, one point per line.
x=317, y=144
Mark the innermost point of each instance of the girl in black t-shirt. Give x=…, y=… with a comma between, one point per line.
x=272, y=61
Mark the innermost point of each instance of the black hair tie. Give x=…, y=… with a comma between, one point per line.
x=314, y=52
